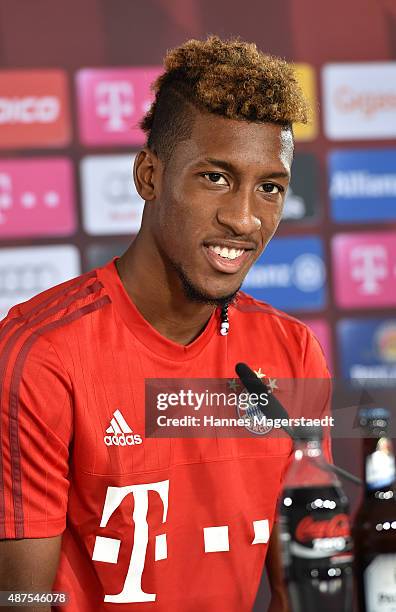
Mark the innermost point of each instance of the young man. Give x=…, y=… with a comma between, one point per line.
x=160, y=524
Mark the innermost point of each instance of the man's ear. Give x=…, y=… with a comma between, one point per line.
x=146, y=174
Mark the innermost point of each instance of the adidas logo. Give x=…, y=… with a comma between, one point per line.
x=120, y=434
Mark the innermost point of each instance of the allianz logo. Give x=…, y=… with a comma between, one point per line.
x=119, y=433
x=360, y=183
x=306, y=273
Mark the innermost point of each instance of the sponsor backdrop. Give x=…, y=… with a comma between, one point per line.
x=74, y=82
x=71, y=98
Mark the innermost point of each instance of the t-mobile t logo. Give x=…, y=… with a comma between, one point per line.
x=106, y=549
x=214, y=538
x=369, y=266
x=36, y=197
x=115, y=102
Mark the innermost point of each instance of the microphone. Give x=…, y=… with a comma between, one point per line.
x=272, y=410
x=275, y=410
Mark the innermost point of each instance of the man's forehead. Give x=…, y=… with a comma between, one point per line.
x=203, y=122
x=214, y=136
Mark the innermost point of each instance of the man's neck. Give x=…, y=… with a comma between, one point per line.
x=167, y=309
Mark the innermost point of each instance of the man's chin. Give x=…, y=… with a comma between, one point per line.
x=204, y=292
x=206, y=295
x=203, y=296
x=223, y=300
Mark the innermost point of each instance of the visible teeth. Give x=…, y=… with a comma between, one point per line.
x=227, y=253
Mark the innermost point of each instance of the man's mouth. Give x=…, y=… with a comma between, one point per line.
x=226, y=253
x=226, y=259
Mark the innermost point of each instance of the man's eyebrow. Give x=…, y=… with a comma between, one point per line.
x=220, y=163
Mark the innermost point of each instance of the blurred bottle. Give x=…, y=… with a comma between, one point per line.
x=374, y=529
x=315, y=531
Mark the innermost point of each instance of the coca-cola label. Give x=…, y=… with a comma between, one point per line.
x=317, y=539
x=315, y=524
x=309, y=530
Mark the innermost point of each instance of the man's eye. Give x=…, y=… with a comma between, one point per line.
x=215, y=177
x=271, y=188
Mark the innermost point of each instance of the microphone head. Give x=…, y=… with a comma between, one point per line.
x=272, y=409
x=250, y=380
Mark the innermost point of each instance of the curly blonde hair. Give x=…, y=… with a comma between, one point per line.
x=230, y=78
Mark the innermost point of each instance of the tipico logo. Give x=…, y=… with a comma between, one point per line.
x=34, y=109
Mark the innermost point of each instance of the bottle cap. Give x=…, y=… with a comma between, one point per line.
x=308, y=432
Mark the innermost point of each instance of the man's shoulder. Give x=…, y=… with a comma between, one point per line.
x=273, y=328
x=56, y=306
x=249, y=307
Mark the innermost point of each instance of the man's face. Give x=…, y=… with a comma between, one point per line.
x=219, y=201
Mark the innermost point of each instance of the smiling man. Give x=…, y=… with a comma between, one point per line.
x=90, y=505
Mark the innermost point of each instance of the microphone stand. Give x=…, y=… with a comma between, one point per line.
x=274, y=409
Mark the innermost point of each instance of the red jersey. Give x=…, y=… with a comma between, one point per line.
x=148, y=524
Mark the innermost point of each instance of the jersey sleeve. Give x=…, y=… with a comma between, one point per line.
x=35, y=433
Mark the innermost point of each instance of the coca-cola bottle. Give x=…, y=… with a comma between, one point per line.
x=315, y=530
x=374, y=529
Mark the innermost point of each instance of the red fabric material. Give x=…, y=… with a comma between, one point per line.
x=74, y=357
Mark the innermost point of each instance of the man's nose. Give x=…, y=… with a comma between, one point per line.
x=238, y=215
